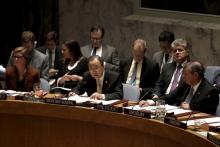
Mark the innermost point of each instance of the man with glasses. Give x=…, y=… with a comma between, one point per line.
x=108, y=53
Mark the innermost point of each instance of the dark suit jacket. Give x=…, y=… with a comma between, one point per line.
x=158, y=57
x=149, y=74
x=79, y=70
x=58, y=62
x=165, y=79
x=109, y=55
x=112, y=86
x=205, y=99
x=11, y=77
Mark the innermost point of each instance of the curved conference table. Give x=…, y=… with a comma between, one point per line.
x=27, y=124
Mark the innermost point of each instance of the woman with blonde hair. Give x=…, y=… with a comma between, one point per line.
x=21, y=76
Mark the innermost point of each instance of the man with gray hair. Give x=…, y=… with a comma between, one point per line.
x=139, y=70
x=171, y=75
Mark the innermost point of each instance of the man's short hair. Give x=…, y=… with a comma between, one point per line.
x=92, y=58
x=97, y=28
x=180, y=42
x=27, y=36
x=196, y=67
x=51, y=36
x=142, y=41
x=166, y=36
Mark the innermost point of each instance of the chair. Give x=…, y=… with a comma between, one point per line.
x=217, y=113
x=131, y=92
x=45, y=86
x=211, y=72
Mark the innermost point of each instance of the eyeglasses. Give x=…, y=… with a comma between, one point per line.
x=17, y=57
x=96, y=39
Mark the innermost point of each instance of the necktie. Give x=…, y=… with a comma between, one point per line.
x=189, y=96
x=98, y=86
x=133, y=76
x=166, y=58
x=176, y=77
x=94, y=52
x=50, y=59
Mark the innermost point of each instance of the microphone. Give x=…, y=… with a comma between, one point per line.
x=35, y=44
x=141, y=98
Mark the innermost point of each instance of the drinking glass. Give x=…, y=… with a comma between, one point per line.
x=160, y=110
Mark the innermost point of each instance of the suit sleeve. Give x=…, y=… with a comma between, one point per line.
x=152, y=80
x=45, y=69
x=115, y=61
x=115, y=91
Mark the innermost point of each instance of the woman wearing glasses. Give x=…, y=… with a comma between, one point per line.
x=21, y=76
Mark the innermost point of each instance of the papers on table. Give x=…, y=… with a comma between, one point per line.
x=80, y=99
x=12, y=92
x=178, y=111
x=169, y=108
x=203, y=121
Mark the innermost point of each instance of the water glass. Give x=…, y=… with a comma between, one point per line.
x=160, y=110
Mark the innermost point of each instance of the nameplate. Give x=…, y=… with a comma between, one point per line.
x=3, y=96
x=214, y=128
x=111, y=108
x=139, y=113
x=86, y=104
x=174, y=122
x=60, y=101
x=214, y=137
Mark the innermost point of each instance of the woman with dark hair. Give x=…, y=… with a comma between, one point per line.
x=21, y=76
x=75, y=64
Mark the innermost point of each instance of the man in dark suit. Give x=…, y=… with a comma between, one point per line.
x=99, y=83
x=171, y=76
x=147, y=71
x=53, y=52
x=108, y=53
x=199, y=95
x=165, y=55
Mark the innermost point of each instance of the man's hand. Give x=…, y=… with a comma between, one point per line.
x=97, y=96
x=185, y=105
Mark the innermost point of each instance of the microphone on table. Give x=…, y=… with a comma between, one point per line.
x=141, y=98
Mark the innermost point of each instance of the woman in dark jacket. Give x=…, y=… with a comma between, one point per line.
x=74, y=63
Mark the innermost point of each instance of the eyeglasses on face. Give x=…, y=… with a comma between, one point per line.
x=17, y=57
x=96, y=39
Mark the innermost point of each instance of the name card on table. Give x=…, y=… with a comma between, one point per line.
x=60, y=101
x=172, y=120
x=214, y=137
x=112, y=105
x=137, y=111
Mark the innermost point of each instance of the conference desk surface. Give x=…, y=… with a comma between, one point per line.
x=28, y=124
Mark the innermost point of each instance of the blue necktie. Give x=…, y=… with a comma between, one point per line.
x=133, y=76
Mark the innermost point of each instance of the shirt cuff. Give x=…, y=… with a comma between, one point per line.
x=103, y=96
x=151, y=102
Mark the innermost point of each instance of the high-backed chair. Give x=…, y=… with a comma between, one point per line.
x=131, y=92
x=211, y=72
x=45, y=86
x=217, y=113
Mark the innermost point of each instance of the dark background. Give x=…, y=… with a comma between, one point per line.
x=195, y=6
x=39, y=16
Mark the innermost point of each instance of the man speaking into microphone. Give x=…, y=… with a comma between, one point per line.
x=99, y=83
